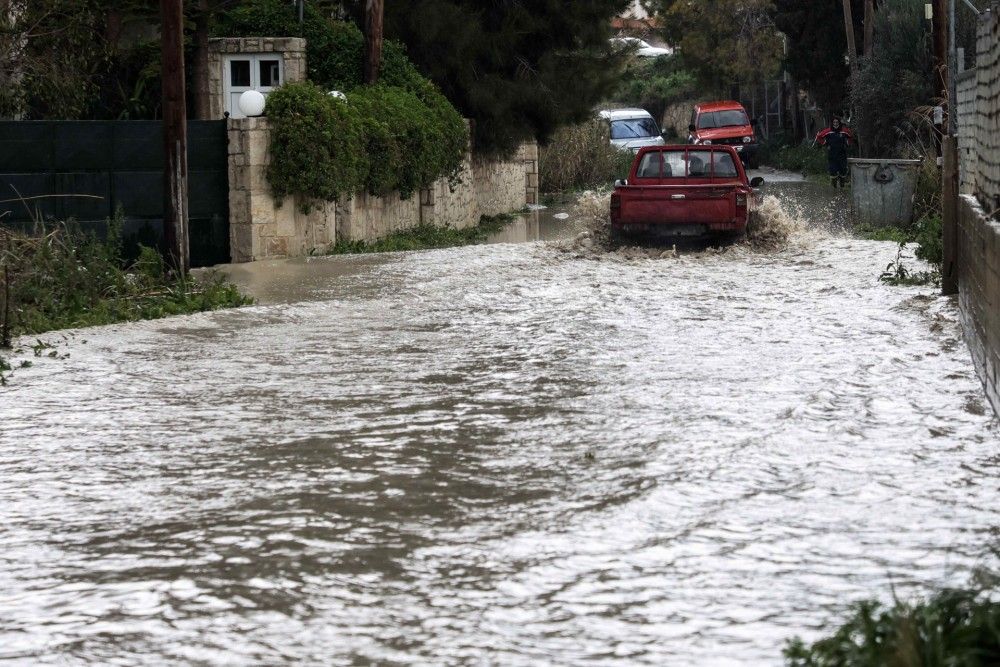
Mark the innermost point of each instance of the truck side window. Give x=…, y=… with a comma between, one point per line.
x=675, y=165
x=723, y=165
x=699, y=164
x=650, y=165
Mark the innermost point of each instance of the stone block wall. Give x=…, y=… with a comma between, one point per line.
x=984, y=160
x=502, y=186
x=979, y=291
x=978, y=234
x=966, y=109
x=260, y=227
x=293, y=56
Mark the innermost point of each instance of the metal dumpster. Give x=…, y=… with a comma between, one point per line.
x=883, y=191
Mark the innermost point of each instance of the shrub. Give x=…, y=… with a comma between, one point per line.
x=581, y=156
x=400, y=135
x=408, y=144
x=64, y=278
x=895, y=79
x=804, y=158
x=929, y=239
x=317, y=145
x=655, y=83
x=952, y=628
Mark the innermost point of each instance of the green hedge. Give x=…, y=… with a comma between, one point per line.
x=381, y=139
x=399, y=135
x=317, y=145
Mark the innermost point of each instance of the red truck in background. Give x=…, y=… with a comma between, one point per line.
x=725, y=123
x=684, y=191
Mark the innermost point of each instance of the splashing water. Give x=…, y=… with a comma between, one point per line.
x=775, y=225
x=779, y=223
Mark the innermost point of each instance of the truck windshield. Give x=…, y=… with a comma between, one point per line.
x=713, y=119
x=634, y=128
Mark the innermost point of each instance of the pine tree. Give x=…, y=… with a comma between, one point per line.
x=726, y=41
x=519, y=69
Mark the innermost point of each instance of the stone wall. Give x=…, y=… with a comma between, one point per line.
x=979, y=291
x=982, y=159
x=966, y=109
x=260, y=228
x=291, y=49
x=978, y=233
x=502, y=186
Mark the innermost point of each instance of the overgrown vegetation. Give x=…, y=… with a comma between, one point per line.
x=654, y=84
x=520, y=70
x=894, y=81
x=925, y=233
x=726, y=40
x=399, y=135
x=427, y=237
x=67, y=60
x=804, y=158
x=955, y=627
x=65, y=278
x=581, y=156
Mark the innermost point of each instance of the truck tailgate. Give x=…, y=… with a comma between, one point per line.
x=673, y=204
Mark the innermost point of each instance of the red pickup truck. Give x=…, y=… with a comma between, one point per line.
x=684, y=191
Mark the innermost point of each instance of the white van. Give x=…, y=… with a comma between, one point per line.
x=632, y=129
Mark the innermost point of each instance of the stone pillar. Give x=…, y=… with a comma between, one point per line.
x=293, y=60
x=260, y=227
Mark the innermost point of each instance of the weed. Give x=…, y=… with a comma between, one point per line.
x=955, y=627
x=896, y=272
x=63, y=278
x=426, y=237
x=580, y=157
x=894, y=234
x=803, y=158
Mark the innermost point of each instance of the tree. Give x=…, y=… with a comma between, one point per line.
x=72, y=59
x=519, y=69
x=726, y=41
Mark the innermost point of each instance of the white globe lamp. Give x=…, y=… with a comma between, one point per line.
x=337, y=95
x=252, y=103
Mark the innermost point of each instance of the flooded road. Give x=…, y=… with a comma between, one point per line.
x=507, y=454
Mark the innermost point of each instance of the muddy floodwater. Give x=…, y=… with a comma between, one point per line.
x=518, y=454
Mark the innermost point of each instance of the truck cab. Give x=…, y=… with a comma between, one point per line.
x=725, y=123
x=684, y=191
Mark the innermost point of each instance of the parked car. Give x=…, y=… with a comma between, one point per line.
x=684, y=191
x=631, y=129
x=725, y=123
x=643, y=49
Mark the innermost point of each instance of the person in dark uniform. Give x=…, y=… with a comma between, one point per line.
x=836, y=139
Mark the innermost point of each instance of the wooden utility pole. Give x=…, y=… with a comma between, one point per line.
x=852, y=47
x=202, y=29
x=949, y=216
x=373, y=39
x=950, y=178
x=869, y=28
x=939, y=28
x=175, y=199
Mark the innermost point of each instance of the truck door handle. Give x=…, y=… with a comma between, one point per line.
x=678, y=196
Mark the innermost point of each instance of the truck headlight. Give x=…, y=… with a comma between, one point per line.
x=706, y=141
x=747, y=140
